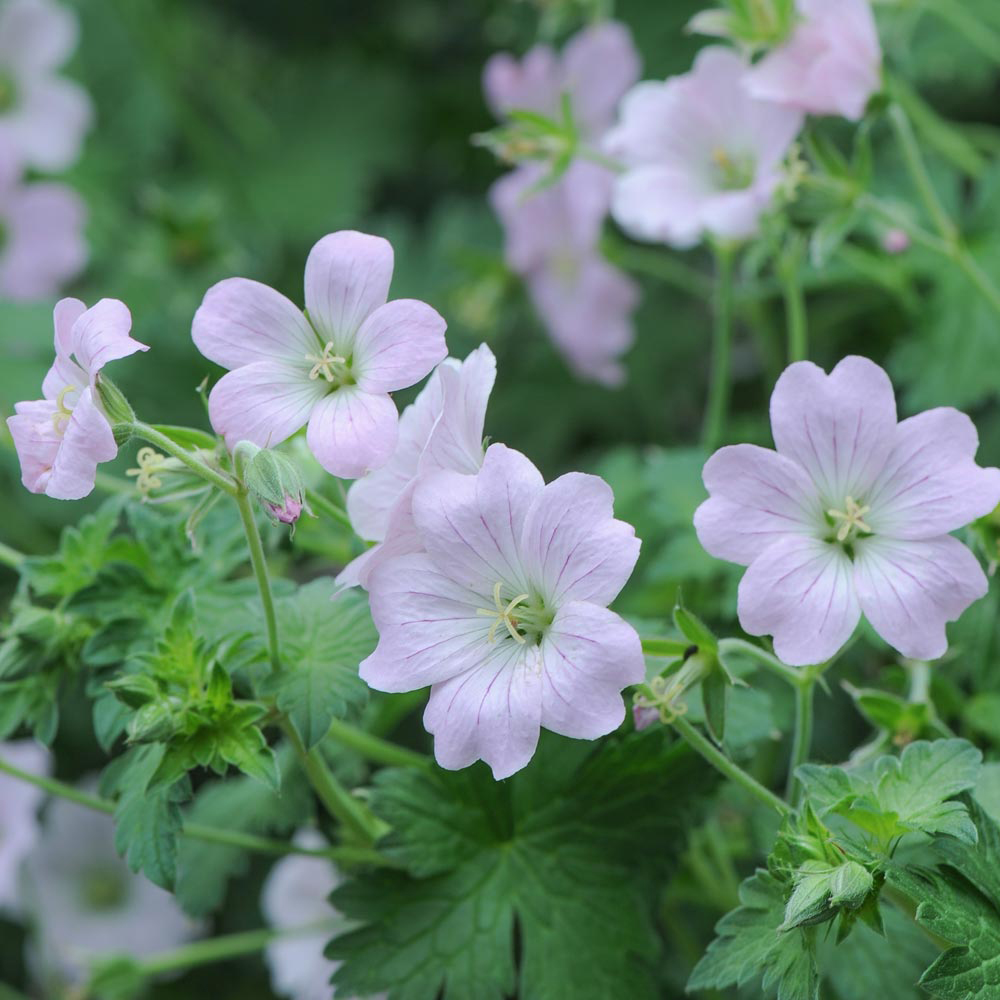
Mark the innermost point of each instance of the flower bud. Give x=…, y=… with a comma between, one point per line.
x=273, y=480
x=116, y=406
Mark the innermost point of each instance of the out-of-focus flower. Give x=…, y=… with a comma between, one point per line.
x=851, y=514
x=895, y=241
x=296, y=894
x=552, y=231
x=701, y=155
x=84, y=901
x=18, y=815
x=441, y=429
x=331, y=367
x=831, y=64
x=505, y=612
x=61, y=439
x=41, y=234
x=43, y=117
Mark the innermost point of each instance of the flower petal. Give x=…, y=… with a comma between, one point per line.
x=801, y=591
x=589, y=655
x=36, y=441
x=49, y=123
x=352, y=432
x=573, y=549
x=87, y=442
x=471, y=526
x=241, y=321
x=930, y=484
x=756, y=497
x=839, y=427
x=529, y=84
x=910, y=589
x=264, y=402
x=347, y=279
x=36, y=36
x=64, y=371
x=101, y=335
x=398, y=345
x=659, y=203
x=490, y=713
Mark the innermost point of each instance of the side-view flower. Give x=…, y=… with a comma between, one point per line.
x=505, y=612
x=851, y=514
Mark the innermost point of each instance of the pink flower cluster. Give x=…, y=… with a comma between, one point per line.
x=552, y=232
x=43, y=119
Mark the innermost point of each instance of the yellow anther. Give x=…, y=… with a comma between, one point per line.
x=324, y=363
x=60, y=419
x=503, y=615
x=150, y=462
x=851, y=518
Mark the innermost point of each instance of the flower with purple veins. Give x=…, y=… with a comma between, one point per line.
x=505, y=612
x=331, y=367
x=851, y=514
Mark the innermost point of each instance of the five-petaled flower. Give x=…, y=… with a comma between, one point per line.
x=331, y=367
x=851, y=514
x=61, y=439
x=700, y=154
x=441, y=429
x=505, y=612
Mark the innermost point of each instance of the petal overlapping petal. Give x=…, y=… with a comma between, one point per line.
x=101, y=334
x=397, y=345
x=88, y=440
x=352, y=432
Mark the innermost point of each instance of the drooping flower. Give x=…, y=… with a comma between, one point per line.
x=505, y=612
x=86, y=903
x=61, y=439
x=700, y=155
x=850, y=515
x=831, y=64
x=331, y=367
x=41, y=234
x=18, y=815
x=43, y=117
x=552, y=234
x=441, y=429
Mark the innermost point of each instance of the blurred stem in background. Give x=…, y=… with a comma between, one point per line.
x=789, y=266
x=722, y=342
x=11, y=557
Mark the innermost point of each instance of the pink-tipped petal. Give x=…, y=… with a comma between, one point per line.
x=101, y=335
x=801, y=591
x=397, y=345
x=909, y=590
x=352, y=432
x=589, y=655
x=347, y=279
x=240, y=322
x=88, y=441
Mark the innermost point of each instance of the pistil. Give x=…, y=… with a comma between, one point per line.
x=61, y=418
x=328, y=365
x=503, y=615
x=851, y=519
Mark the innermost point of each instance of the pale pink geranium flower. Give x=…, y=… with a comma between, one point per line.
x=552, y=234
x=331, y=367
x=831, y=64
x=441, y=429
x=700, y=155
x=18, y=815
x=61, y=439
x=850, y=515
x=43, y=117
x=41, y=234
x=505, y=612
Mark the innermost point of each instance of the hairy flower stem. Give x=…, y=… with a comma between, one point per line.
x=802, y=734
x=375, y=749
x=722, y=338
x=325, y=506
x=725, y=766
x=790, y=675
x=219, y=479
x=259, y=563
x=665, y=647
x=198, y=831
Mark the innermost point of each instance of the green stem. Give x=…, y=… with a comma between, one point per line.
x=723, y=764
x=665, y=647
x=220, y=479
x=767, y=660
x=350, y=811
x=795, y=309
x=980, y=35
x=657, y=264
x=11, y=557
x=802, y=736
x=328, y=507
x=375, y=749
x=722, y=336
x=259, y=563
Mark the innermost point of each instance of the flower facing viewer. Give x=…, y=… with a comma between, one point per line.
x=851, y=514
x=331, y=367
x=505, y=612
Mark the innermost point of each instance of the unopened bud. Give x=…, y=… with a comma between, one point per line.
x=895, y=241
x=273, y=480
x=113, y=401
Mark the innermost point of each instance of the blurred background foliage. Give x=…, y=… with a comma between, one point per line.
x=230, y=136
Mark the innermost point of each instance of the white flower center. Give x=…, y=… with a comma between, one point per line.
x=330, y=366
x=850, y=521
x=732, y=172
x=520, y=619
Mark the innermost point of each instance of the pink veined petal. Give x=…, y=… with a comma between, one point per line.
x=589, y=654
x=347, y=279
x=839, y=427
x=572, y=547
x=36, y=440
x=87, y=442
x=756, y=498
x=101, y=335
x=48, y=125
x=397, y=345
x=240, y=322
x=429, y=626
x=64, y=371
x=930, y=484
x=489, y=713
x=801, y=591
x=531, y=84
x=64, y=315
x=36, y=35
x=352, y=432
x=471, y=526
x=264, y=402
x=909, y=590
